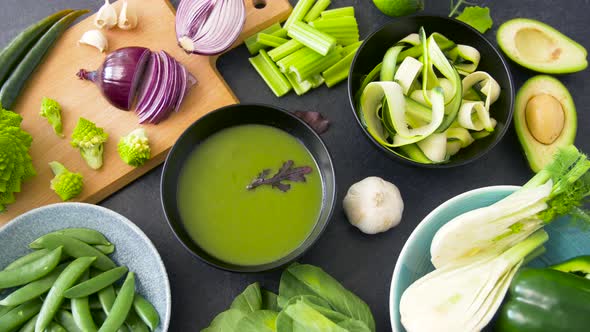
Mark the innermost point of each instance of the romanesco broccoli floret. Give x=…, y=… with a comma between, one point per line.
x=15, y=162
x=90, y=140
x=134, y=148
x=66, y=184
x=51, y=110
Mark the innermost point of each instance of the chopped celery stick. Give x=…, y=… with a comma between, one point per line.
x=301, y=9
x=269, y=72
x=316, y=10
x=300, y=87
x=282, y=33
x=286, y=62
x=351, y=48
x=335, y=24
x=311, y=37
x=310, y=66
x=270, y=40
x=338, y=72
x=316, y=80
x=282, y=51
x=253, y=46
x=338, y=12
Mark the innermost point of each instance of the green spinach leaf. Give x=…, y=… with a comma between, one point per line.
x=225, y=321
x=258, y=321
x=250, y=300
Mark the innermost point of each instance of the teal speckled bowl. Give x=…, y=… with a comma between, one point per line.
x=414, y=260
x=132, y=247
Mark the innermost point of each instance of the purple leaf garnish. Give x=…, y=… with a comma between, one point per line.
x=286, y=173
x=314, y=120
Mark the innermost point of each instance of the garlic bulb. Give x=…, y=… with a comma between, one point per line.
x=127, y=17
x=95, y=38
x=106, y=17
x=373, y=205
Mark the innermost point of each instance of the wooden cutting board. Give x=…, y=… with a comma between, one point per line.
x=56, y=78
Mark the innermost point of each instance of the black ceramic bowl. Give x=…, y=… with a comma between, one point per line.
x=235, y=115
x=371, y=53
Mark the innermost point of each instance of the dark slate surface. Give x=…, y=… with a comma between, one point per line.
x=364, y=264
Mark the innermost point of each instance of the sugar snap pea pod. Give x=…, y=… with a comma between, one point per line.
x=30, y=325
x=97, y=283
x=121, y=307
x=74, y=248
x=107, y=297
x=55, y=296
x=146, y=311
x=65, y=319
x=81, y=311
x=19, y=315
x=92, y=302
x=55, y=327
x=5, y=309
x=107, y=250
x=32, y=270
x=26, y=259
x=134, y=323
x=33, y=289
x=87, y=235
x=99, y=317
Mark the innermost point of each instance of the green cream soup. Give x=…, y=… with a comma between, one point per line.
x=241, y=226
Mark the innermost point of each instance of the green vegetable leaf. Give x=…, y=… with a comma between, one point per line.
x=258, y=321
x=226, y=321
x=250, y=300
x=477, y=17
x=269, y=301
x=286, y=173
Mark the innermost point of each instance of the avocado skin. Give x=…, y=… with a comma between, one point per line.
x=538, y=154
x=573, y=55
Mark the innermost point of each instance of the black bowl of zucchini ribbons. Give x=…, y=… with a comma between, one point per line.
x=445, y=109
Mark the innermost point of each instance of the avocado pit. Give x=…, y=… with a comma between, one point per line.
x=545, y=118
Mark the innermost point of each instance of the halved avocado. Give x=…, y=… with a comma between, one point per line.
x=544, y=118
x=539, y=47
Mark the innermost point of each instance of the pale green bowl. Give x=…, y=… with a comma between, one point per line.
x=564, y=242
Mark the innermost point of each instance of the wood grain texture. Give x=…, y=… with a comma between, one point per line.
x=56, y=79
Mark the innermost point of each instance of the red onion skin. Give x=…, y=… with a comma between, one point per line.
x=118, y=77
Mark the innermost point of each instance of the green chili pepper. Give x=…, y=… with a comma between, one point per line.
x=146, y=311
x=31, y=271
x=27, y=259
x=548, y=300
x=97, y=283
x=121, y=307
x=66, y=320
x=34, y=289
x=89, y=236
x=107, y=250
x=19, y=315
x=74, y=248
x=55, y=296
x=30, y=325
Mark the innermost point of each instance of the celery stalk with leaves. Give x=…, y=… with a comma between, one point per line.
x=559, y=189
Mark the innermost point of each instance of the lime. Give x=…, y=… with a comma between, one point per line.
x=399, y=7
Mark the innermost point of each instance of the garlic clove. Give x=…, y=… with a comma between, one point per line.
x=95, y=38
x=127, y=17
x=106, y=17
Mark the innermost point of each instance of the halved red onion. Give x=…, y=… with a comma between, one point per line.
x=119, y=76
x=209, y=27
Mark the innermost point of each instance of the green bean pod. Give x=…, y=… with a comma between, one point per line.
x=107, y=297
x=146, y=311
x=134, y=323
x=97, y=283
x=74, y=248
x=26, y=259
x=31, y=271
x=55, y=296
x=81, y=311
x=105, y=249
x=30, y=325
x=87, y=235
x=121, y=307
x=55, y=327
x=66, y=320
x=19, y=315
x=33, y=289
